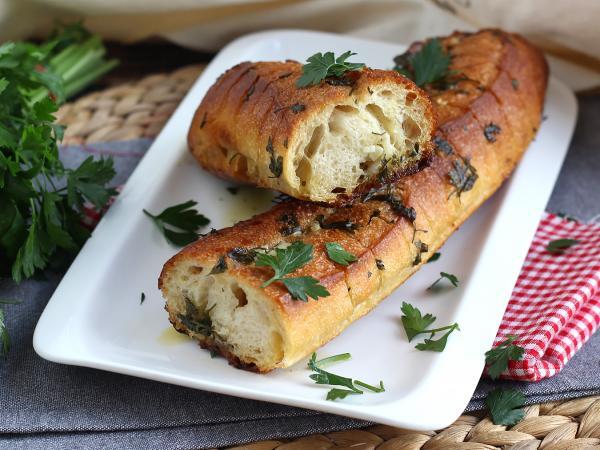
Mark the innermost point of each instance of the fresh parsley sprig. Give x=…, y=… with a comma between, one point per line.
x=453, y=279
x=348, y=384
x=180, y=224
x=322, y=65
x=427, y=66
x=41, y=201
x=287, y=260
x=505, y=406
x=337, y=254
x=415, y=323
x=498, y=357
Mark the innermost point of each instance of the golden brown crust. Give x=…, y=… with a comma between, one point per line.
x=255, y=113
x=490, y=130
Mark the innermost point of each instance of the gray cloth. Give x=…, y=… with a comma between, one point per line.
x=52, y=406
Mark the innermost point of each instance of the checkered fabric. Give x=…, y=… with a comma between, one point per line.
x=555, y=305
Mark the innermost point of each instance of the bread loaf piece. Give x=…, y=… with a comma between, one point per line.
x=321, y=143
x=214, y=294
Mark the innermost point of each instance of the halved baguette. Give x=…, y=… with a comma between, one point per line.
x=321, y=143
x=213, y=292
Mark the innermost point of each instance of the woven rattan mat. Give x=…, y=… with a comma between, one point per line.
x=140, y=109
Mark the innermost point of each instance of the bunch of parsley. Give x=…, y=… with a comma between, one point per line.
x=41, y=201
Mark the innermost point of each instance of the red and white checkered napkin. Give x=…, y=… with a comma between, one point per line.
x=555, y=305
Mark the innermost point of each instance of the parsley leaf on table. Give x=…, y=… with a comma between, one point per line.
x=415, y=323
x=429, y=65
x=323, y=377
x=337, y=254
x=450, y=277
x=321, y=66
x=559, y=246
x=505, y=406
x=498, y=357
x=180, y=223
x=287, y=260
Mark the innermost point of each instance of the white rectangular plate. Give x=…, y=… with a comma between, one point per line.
x=95, y=318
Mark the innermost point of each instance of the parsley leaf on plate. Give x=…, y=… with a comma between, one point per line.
x=559, y=246
x=505, y=406
x=429, y=65
x=437, y=345
x=337, y=254
x=323, y=377
x=322, y=65
x=498, y=357
x=179, y=223
x=287, y=260
x=413, y=321
x=448, y=276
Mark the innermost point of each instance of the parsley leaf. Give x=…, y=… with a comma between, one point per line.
x=434, y=257
x=437, y=345
x=323, y=377
x=559, y=246
x=337, y=254
x=429, y=65
x=300, y=288
x=321, y=66
x=179, y=223
x=505, y=406
x=415, y=323
x=450, y=277
x=497, y=358
x=287, y=260
x=142, y=298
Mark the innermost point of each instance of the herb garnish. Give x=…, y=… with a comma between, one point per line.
x=345, y=225
x=498, y=357
x=505, y=406
x=429, y=65
x=380, y=264
x=180, y=223
x=442, y=145
x=490, y=132
x=142, y=298
x=291, y=224
x=462, y=176
x=559, y=246
x=286, y=261
x=219, y=267
x=295, y=108
x=323, y=377
x=276, y=163
x=337, y=254
x=422, y=247
x=321, y=66
x=415, y=323
x=242, y=255
x=395, y=203
x=233, y=190
x=196, y=325
x=515, y=84
x=451, y=278
x=434, y=257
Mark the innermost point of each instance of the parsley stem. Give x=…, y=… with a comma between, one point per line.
x=381, y=388
x=436, y=330
x=332, y=359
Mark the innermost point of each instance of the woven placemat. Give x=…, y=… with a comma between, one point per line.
x=139, y=109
